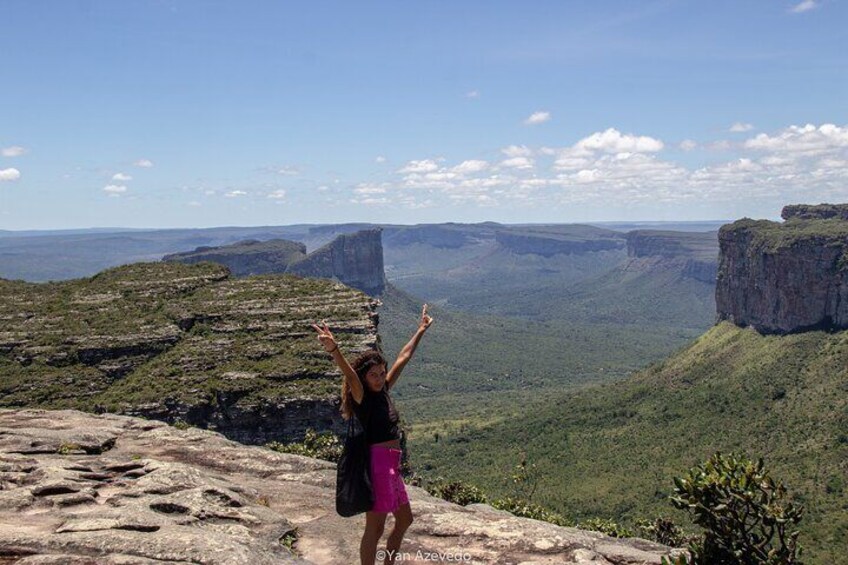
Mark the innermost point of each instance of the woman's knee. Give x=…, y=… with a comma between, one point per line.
x=404, y=518
x=374, y=526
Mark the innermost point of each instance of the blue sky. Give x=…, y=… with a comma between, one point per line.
x=191, y=114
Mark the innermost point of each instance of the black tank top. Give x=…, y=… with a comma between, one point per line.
x=378, y=416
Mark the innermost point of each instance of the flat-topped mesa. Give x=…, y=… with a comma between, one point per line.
x=695, y=253
x=646, y=243
x=445, y=236
x=549, y=241
x=815, y=211
x=249, y=257
x=785, y=277
x=187, y=343
x=355, y=259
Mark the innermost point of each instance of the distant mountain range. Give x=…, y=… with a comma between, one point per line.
x=65, y=254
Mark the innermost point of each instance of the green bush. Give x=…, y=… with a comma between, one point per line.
x=527, y=509
x=663, y=530
x=456, y=492
x=605, y=526
x=745, y=513
x=324, y=445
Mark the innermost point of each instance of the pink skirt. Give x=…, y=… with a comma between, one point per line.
x=386, y=480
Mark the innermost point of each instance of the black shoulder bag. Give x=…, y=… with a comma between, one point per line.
x=354, y=494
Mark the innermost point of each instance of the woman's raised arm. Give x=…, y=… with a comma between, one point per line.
x=325, y=336
x=406, y=353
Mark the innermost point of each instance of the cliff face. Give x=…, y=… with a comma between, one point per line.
x=183, y=342
x=354, y=259
x=80, y=489
x=248, y=257
x=695, y=254
x=784, y=277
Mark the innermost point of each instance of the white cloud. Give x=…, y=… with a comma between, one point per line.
x=13, y=151
x=380, y=159
x=807, y=139
x=798, y=163
x=287, y=170
x=470, y=166
x=587, y=175
x=570, y=159
x=121, y=177
x=369, y=189
x=144, y=163
x=518, y=163
x=613, y=141
x=235, y=193
x=537, y=118
x=369, y=201
x=114, y=188
x=804, y=6
x=9, y=174
x=720, y=145
x=517, y=151
x=423, y=166
x=472, y=94
x=195, y=204
x=278, y=194
x=740, y=127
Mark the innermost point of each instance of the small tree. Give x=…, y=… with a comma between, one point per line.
x=525, y=478
x=746, y=514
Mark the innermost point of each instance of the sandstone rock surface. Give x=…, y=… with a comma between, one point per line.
x=78, y=488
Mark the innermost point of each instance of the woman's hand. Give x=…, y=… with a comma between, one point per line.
x=426, y=320
x=325, y=336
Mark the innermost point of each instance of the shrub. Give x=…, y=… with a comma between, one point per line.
x=527, y=509
x=456, y=492
x=745, y=514
x=324, y=445
x=663, y=530
x=605, y=526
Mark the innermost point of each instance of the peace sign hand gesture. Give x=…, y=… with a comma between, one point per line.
x=325, y=336
x=426, y=320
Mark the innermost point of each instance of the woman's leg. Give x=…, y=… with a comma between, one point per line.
x=403, y=519
x=374, y=524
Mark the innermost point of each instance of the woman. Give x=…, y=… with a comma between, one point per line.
x=365, y=392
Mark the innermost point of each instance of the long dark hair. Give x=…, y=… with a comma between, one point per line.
x=361, y=365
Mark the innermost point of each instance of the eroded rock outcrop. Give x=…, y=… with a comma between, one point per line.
x=77, y=488
x=785, y=277
x=183, y=343
x=355, y=259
